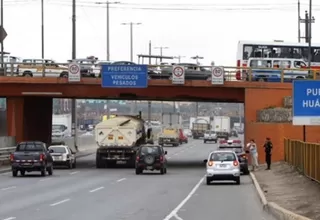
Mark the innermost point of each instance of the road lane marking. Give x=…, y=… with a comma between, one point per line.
x=96, y=189
x=60, y=202
x=120, y=180
x=44, y=179
x=8, y=188
x=174, y=212
x=75, y=172
x=177, y=217
x=10, y=218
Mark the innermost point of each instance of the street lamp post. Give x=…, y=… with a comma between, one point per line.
x=161, y=51
x=131, y=37
x=107, y=3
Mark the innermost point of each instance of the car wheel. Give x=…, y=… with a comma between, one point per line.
x=22, y=172
x=208, y=181
x=138, y=171
x=238, y=181
x=246, y=171
x=43, y=172
x=50, y=170
x=74, y=165
x=14, y=173
x=162, y=171
x=165, y=170
x=69, y=164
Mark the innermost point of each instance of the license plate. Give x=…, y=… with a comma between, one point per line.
x=223, y=165
x=116, y=156
x=26, y=164
x=149, y=167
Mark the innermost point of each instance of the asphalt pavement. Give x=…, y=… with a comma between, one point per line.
x=118, y=194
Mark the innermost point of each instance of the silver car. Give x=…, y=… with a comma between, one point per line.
x=222, y=166
x=62, y=156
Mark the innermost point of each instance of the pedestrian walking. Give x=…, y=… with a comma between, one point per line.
x=268, y=150
x=254, y=154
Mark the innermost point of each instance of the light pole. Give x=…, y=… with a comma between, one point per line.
x=161, y=51
x=73, y=101
x=42, y=29
x=2, y=47
x=197, y=58
x=179, y=58
x=107, y=3
x=131, y=37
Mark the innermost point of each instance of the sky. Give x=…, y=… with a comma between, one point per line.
x=211, y=30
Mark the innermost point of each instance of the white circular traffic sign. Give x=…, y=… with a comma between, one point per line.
x=74, y=68
x=217, y=71
x=178, y=71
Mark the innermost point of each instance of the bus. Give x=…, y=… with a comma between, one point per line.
x=275, y=49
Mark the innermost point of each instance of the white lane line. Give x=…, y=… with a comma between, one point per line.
x=10, y=218
x=177, y=217
x=75, y=172
x=96, y=189
x=60, y=202
x=174, y=212
x=8, y=188
x=120, y=180
x=44, y=179
x=182, y=151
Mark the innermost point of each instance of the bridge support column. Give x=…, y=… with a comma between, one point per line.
x=29, y=118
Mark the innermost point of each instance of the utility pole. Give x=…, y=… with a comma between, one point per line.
x=131, y=37
x=299, y=22
x=2, y=46
x=107, y=3
x=179, y=58
x=42, y=29
x=161, y=51
x=74, y=101
x=308, y=20
x=197, y=58
x=150, y=52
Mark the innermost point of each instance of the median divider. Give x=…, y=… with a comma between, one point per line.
x=272, y=208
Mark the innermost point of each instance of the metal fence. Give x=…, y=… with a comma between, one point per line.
x=304, y=156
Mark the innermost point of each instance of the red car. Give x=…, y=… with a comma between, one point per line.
x=182, y=137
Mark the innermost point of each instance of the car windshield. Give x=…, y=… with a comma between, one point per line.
x=222, y=156
x=58, y=149
x=149, y=150
x=235, y=149
x=30, y=147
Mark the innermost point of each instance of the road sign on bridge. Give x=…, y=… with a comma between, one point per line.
x=124, y=76
x=306, y=102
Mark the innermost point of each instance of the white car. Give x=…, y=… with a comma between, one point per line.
x=210, y=136
x=222, y=166
x=62, y=155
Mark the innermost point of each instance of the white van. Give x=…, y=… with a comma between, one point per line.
x=277, y=64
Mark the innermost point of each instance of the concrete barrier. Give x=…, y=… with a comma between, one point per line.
x=6, y=141
x=274, y=209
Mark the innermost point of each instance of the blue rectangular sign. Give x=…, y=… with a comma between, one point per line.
x=124, y=76
x=306, y=102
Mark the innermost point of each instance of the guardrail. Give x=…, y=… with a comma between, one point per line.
x=83, y=141
x=303, y=156
x=165, y=71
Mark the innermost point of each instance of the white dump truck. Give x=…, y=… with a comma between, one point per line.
x=118, y=139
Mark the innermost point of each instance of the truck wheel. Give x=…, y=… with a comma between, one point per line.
x=162, y=171
x=14, y=173
x=204, y=142
x=74, y=165
x=99, y=162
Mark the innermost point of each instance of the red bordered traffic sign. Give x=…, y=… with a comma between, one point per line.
x=74, y=68
x=178, y=71
x=217, y=71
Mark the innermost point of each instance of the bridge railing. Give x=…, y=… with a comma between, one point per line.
x=303, y=156
x=231, y=73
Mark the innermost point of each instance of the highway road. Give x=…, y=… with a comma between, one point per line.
x=118, y=194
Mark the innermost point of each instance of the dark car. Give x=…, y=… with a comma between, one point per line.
x=236, y=146
x=233, y=134
x=192, y=72
x=151, y=157
x=31, y=156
